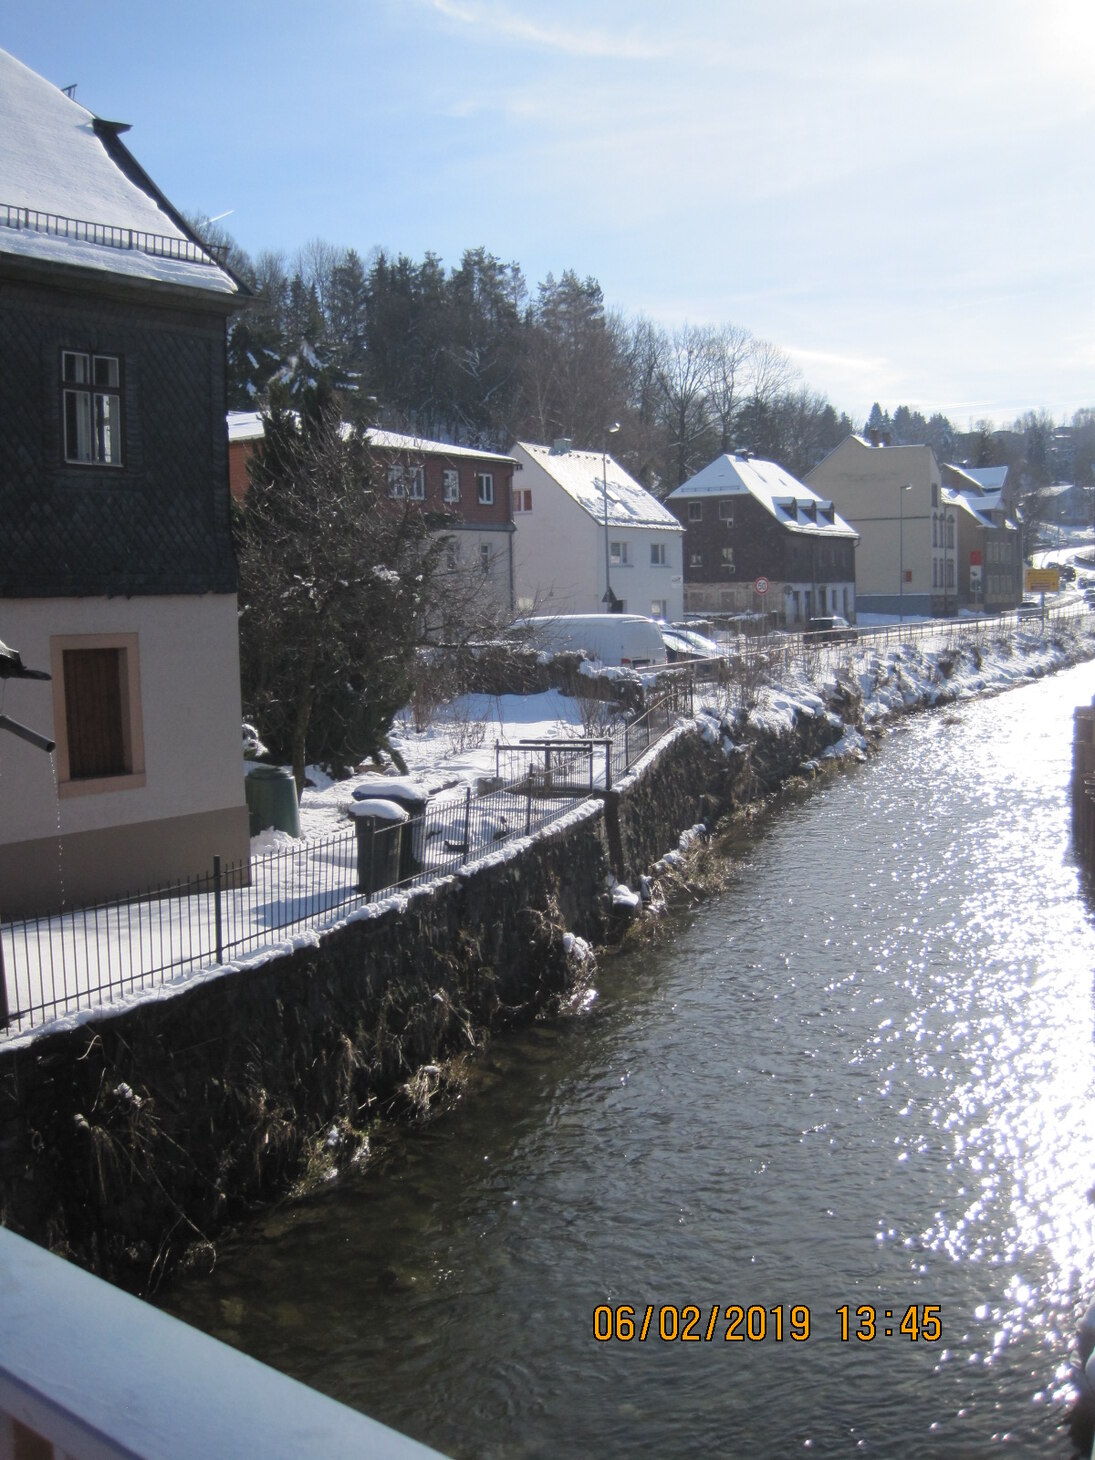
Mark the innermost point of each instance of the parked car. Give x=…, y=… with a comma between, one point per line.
x=830, y=629
x=624, y=639
x=683, y=643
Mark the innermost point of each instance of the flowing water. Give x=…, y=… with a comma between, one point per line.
x=861, y=1078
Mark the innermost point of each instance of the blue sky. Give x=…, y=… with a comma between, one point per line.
x=900, y=195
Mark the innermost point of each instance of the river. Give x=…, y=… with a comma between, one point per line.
x=860, y=1078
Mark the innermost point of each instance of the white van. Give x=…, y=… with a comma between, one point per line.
x=625, y=639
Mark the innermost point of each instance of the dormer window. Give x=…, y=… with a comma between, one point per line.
x=91, y=408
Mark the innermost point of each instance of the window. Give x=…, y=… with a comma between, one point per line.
x=695, y=511
x=407, y=481
x=450, y=484
x=484, y=487
x=522, y=499
x=657, y=554
x=485, y=558
x=728, y=559
x=726, y=513
x=657, y=607
x=695, y=560
x=96, y=712
x=91, y=408
x=617, y=552
x=452, y=555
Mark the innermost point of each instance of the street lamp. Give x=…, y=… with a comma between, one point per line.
x=609, y=598
x=907, y=487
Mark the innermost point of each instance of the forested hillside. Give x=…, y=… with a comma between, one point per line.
x=473, y=354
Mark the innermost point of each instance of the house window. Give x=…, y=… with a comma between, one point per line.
x=484, y=487
x=657, y=608
x=728, y=559
x=416, y=483
x=452, y=555
x=96, y=712
x=91, y=408
x=485, y=558
x=395, y=481
x=617, y=552
x=695, y=560
x=522, y=499
x=695, y=511
x=450, y=484
x=726, y=513
x=657, y=554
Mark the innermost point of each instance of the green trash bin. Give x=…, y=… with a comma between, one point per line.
x=271, y=793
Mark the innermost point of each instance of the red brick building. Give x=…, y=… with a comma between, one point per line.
x=473, y=489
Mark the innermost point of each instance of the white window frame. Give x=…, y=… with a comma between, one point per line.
x=695, y=560
x=450, y=484
x=484, y=488
x=658, y=557
x=617, y=553
x=658, y=607
x=91, y=408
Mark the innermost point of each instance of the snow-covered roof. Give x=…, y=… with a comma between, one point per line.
x=985, y=507
x=248, y=426
x=990, y=478
x=70, y=193
x=398, y=441
x=793, y=505
x=588, y=475
x=245, y=426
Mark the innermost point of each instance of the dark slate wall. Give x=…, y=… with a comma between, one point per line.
x=160, y=522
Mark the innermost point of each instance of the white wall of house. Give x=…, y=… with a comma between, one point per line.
x=183, y=798
x=559, y=554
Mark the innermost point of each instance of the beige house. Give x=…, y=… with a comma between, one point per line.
x=894, y=498
x=990, y=550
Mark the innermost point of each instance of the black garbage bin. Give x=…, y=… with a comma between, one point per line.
x=412, y=798
x=379, y=826
x=271, y=795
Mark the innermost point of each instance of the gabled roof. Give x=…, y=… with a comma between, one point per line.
x=71, y=193
x=793, y=505
x=989, y=478
x=248, y=426
x=579, y=473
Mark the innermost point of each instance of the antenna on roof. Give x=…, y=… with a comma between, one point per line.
x=70, y=91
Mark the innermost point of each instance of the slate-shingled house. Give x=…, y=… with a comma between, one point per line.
x=117, y=573
x=747, y=519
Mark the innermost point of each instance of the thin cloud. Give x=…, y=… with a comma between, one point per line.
x=591, y=44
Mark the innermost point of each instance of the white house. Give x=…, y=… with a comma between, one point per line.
x=590, y=538
x=117, y=574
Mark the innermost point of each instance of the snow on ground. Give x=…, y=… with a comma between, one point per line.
x=456, y=750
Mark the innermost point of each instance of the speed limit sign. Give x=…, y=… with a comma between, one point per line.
x=761, y=586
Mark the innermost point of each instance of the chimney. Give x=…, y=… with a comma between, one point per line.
x=561, y=445
x=878, y=436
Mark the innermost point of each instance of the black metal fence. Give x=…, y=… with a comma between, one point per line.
x=89, y=957
x=109, y=235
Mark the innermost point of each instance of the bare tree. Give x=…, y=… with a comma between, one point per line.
x=731, y=347
x=684, y=375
